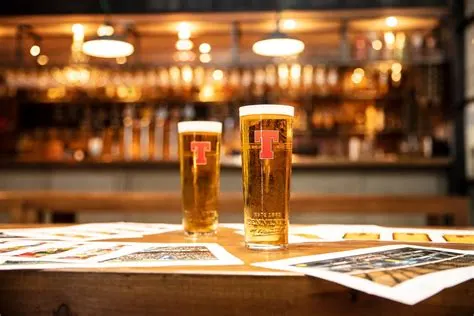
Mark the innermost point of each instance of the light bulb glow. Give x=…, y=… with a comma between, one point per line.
x=217, y=75
x=204, y=48
x=283, y=71
x=35, y=50
x=121, y=60
x=187, y=74
x=396, y=76
x=184, y=35
x=184, y=56
x=77, y=28
x=278, y=47
x=359, y=71
x=358, y=75
x=389, y=38
x=295, y=72
x=396, y=68
x=184, y=30
x=78, y=32
x=184, y=44
x=377, y=44
x=205, y=58
x=42, y=60
x=391, y=21
x=289, y=24
x=357, y=78
x=105, y=30
x=400, y=39
x=107, y=48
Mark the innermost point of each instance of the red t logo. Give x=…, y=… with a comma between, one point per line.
x=267, y=138
x=199, y=149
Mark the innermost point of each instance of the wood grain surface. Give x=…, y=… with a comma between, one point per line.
x=218, y=290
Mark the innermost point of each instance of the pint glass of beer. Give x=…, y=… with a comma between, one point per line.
x=199, y=153
x=267, y=140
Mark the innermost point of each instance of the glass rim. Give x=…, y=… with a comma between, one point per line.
x=200, y=126
x=258, y=109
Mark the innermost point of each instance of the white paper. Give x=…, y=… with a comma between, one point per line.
x=426, y=271
x=93, y=231
x=89, y=255
x=128, y=228
x=379, y=233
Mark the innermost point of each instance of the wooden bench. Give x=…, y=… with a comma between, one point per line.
x=445, y=210
x=13, y=205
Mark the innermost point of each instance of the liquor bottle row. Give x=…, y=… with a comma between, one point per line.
x=294, y=79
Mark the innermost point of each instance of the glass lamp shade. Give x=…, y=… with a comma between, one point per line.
x=278, y=44
x=107, y=47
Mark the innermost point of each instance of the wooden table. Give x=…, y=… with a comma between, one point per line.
x=219, y=290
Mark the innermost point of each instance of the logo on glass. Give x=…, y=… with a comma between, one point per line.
x=199, y=149
x=266, y=138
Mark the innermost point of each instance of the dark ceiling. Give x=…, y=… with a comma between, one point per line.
x=28, y=7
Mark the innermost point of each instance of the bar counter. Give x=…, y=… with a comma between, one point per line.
x=396, y=177
x=213, y=290
x=234, y=162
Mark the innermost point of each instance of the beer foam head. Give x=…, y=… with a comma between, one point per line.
x=200, y=126
x=258, y=109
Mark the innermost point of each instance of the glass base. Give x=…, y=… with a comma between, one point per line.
x=199, y=234
x=265, y=247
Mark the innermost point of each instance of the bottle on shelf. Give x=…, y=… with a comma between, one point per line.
x=145, y=134
x=115, y=146
x=95, y=144
x=128, y=116
x=229, y=136
x=54, y=150
x=189, y=113
x=161, y=116
x=172, y=152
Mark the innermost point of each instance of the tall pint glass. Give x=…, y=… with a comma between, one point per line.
x=267, y=141
x=199, y=154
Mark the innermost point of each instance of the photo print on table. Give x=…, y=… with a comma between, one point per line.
x=389, y=260
x=47, y=250
x=403, y=273
x=15, y=246
x=93, y=252
x=168, y=253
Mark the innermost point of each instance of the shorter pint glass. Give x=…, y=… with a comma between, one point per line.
x=199, y=154
x=267, y=140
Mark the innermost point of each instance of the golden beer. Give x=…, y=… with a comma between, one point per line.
x=267, y=140
x=199, y=154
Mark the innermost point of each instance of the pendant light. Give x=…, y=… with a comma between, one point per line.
x=278, y=44
x=107, y=44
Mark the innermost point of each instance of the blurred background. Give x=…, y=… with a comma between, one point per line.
x=91, y=92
